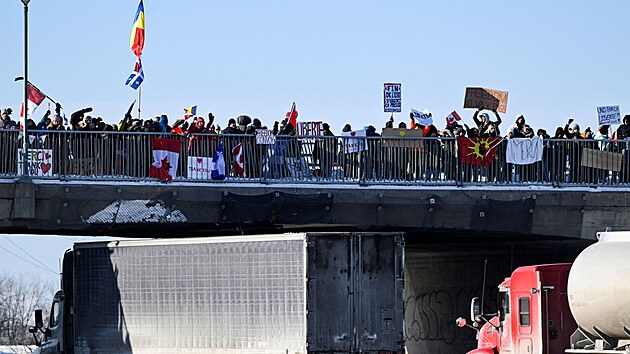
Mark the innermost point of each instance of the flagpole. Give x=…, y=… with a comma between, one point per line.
x=25, y=136
x=139, y=99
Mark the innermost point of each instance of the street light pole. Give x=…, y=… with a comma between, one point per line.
x=25, y=140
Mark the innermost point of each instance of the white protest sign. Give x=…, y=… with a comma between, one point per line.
x=199, y=167
x=392, y=97
x=608, y=115
x=352, y=144
x=39, y=162
x=423, y=118
x=265, y=137
x=522, y=151
x=309, y=128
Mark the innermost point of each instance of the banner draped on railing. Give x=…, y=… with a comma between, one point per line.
x=398, y=157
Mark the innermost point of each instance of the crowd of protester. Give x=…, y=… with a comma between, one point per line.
x=483, y=126
x=486, y=124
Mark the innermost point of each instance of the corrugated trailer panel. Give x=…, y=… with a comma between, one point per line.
x=244, y=296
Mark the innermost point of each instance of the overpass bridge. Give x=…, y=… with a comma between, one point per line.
x=456, y=216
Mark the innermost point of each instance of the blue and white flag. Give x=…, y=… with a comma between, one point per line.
x=218, y=164
x=136, y=77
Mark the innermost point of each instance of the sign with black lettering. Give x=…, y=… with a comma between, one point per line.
x=265, y=137
x=608, y=115
x=478, y=97
x=392, y=97
x=309, y=128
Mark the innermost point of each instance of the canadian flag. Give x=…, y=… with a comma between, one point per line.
x=165, y=158
x=292, y=115
x=452, y=118
x=35, y=98
x=237, y=160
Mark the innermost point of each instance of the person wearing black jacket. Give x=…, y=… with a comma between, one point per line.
x=623, y=133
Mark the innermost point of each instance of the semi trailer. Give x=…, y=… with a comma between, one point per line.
x=289, y=293
x=583, y=307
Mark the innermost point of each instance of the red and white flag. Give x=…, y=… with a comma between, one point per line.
x=165, y=158
x=237, y=160
x=292, y=115
x=452, y=118
x=35, y=98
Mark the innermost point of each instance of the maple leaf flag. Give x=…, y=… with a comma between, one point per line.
x=165, y=158
x=238, y=162
x=35, y=98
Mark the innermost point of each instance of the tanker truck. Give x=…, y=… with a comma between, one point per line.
x=290, y=293
x=582, y=307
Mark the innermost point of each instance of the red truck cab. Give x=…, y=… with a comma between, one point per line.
x=533, y=315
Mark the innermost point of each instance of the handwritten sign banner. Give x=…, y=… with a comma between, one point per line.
x=423, y=118
x=486, y=98
x=309, y=128
x=608, y=115
x=199, y=167
x=39, y=162
x=392, y=97
x=265, y=137
x=352, y=144
x=521, y=151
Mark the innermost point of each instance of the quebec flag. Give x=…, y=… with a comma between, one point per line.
x=136, y=77
x=218, y=164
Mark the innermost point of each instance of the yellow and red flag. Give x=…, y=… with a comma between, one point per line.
x=477, y=151
x=137, y=32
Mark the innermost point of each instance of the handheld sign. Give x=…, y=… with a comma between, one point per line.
x=309, y=128
x=423, y=118
x=39, y=161
x=477, y=97
x=265, y=137
x=608, y=115
x=354, y=141
x=392, y=98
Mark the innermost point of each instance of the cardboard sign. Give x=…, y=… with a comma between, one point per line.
x=309, y=128
x=486, y=98
x=265, y=137
x=199, y=167
x=604, y=160
x=392, y=97
x=394, y=137
x=608, y=115
x=39, y=162
x=350, y=144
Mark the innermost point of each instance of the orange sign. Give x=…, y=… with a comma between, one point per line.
x=486, y=98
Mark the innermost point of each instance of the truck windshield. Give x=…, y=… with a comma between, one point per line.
x=54, y=314
x=504, y=299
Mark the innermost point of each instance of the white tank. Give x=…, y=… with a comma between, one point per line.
x=599, y=286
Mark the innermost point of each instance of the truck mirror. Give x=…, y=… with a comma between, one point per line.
x=460, y=322
x=39, y=320
x=475, y=309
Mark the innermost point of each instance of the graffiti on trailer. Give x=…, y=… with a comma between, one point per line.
x=431, y=316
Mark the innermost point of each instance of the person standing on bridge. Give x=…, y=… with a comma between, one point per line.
x=483, y=121
x=623, y=133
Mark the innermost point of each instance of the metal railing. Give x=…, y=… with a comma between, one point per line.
x=116, y=156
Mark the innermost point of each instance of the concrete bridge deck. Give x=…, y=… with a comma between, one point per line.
x=168, y=210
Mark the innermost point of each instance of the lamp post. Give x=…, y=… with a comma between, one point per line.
x=25, y=140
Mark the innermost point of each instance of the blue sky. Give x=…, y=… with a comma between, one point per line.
x=557, y=59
